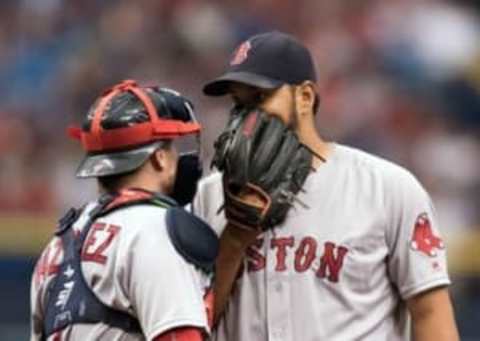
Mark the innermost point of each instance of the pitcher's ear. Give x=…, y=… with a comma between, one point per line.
x=306, y=97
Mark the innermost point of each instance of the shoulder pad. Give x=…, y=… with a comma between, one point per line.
x=193, y=238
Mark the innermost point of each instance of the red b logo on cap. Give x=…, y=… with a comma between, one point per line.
x=423, y=239
x=241, y=53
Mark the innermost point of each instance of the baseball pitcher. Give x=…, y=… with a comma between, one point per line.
x=319, y=241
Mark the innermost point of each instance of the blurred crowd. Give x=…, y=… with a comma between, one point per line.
x=399, y=78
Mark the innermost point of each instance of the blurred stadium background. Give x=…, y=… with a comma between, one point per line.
x=399, y=78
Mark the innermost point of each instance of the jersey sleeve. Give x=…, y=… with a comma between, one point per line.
x=165, y=291
x=43, y=273
x=181, y=334
x=35, y=309
x=197, y=205
x=417, y=255
x=208, y=202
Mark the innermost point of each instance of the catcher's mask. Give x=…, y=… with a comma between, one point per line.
x=128, y=123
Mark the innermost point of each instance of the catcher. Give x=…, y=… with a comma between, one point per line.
x=319, y=241
x=133, y=264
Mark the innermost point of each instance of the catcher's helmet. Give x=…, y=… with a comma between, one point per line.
x=127, y=124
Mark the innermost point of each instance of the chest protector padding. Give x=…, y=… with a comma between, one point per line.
x=70, y=300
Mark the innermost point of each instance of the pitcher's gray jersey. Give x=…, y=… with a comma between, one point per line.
x=131, y=265
x=343, y=263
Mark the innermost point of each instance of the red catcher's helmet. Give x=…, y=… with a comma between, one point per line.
x=127, y=124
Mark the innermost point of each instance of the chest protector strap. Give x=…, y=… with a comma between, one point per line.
x=69, y=299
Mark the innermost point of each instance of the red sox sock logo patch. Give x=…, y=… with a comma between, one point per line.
x=423, y=239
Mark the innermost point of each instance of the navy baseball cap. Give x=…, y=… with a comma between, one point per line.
x=267, y=61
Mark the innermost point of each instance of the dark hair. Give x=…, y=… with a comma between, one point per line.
x=113, y=183
x=316, y=103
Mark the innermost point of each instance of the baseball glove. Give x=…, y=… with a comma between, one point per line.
x=260, y=157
